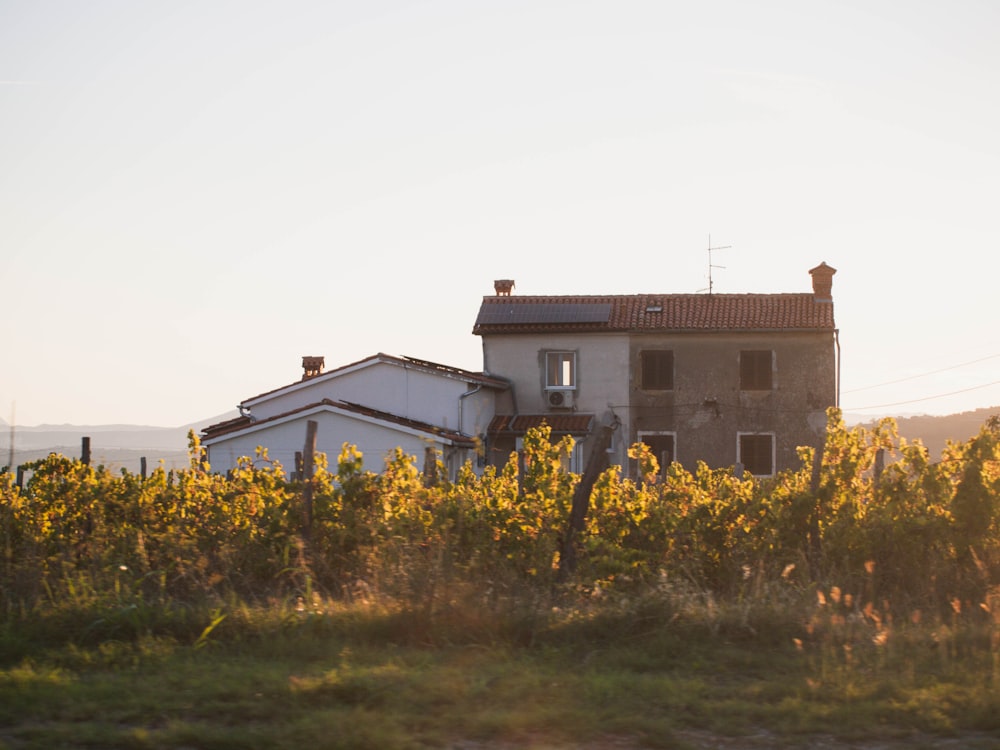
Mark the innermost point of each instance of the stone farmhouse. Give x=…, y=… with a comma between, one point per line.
x=735, y=380
x=728, y=379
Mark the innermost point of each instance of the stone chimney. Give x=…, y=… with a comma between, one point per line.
x=823, y=281
x=503, y=287
x=312, y=366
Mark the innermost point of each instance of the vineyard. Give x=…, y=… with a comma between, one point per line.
x=856, y=597
x=915, y=539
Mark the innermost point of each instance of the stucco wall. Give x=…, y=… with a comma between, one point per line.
x=401, y=390
x=602, y=374
x=601, y=368
x=284, y=438
x=707, y=409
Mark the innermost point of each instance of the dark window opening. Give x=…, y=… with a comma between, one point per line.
x=756, y=370
x=661, y=446
x=757, y=454
x=657, y=370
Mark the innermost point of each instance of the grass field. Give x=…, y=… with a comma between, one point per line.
x=652, y=674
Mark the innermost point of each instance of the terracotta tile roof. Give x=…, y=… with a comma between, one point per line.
x=561, y=424
x=654, y=313
x=221, y=428
x=469, y=375
x=240, y=423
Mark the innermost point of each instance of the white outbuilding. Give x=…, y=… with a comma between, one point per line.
x=377, y=404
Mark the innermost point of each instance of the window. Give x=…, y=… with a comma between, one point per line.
x=576, y=457
x=657, y=369
x=560, y=370
x=756, y=453
x=756, y=369
x=661, y=445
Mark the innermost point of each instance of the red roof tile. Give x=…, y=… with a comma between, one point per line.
x=657, y=313
x=561, y=424
x=221, y=428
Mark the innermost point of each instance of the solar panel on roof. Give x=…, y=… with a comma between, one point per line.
x=544, y=312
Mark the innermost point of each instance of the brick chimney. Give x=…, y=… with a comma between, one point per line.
x=312, y=366
x=823, y=281
x=503, y=287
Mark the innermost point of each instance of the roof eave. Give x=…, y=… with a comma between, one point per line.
x=354, y=411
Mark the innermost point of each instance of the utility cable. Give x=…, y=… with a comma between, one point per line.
x=926, y=398
x=922, y=375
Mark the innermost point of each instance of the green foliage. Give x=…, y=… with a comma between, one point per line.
x=921, y=534
x=835, y=599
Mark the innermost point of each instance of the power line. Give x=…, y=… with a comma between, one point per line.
x=926, y=398
x=923, y=375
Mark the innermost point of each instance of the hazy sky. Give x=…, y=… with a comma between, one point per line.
x=193, y=195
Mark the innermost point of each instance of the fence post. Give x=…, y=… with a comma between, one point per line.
x=85, y=451
x=142, y=467
x=430, y=466
x=596, y=463
x=815, y=549
x=308, y=456
x=879, y=465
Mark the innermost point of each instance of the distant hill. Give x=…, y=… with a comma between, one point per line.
x=935, y=431
x=114, y=446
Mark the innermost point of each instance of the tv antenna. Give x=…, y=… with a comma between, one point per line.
x=710, y=265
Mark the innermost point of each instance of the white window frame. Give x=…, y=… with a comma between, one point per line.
x=576, y=457
x=565, y=359
x=774, y=449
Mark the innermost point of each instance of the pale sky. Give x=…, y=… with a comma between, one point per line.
x=193, y=195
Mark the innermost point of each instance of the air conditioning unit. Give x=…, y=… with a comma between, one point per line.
x=560, y=399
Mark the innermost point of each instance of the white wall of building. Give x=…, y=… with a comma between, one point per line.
x=283, y=437
x=602, y=368
x=401, y=389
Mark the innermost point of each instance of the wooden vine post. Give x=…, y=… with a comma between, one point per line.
x=308, y=462
x=596, y=463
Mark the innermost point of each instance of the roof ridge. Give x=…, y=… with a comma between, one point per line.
x=513, y=299
x=747, y=311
